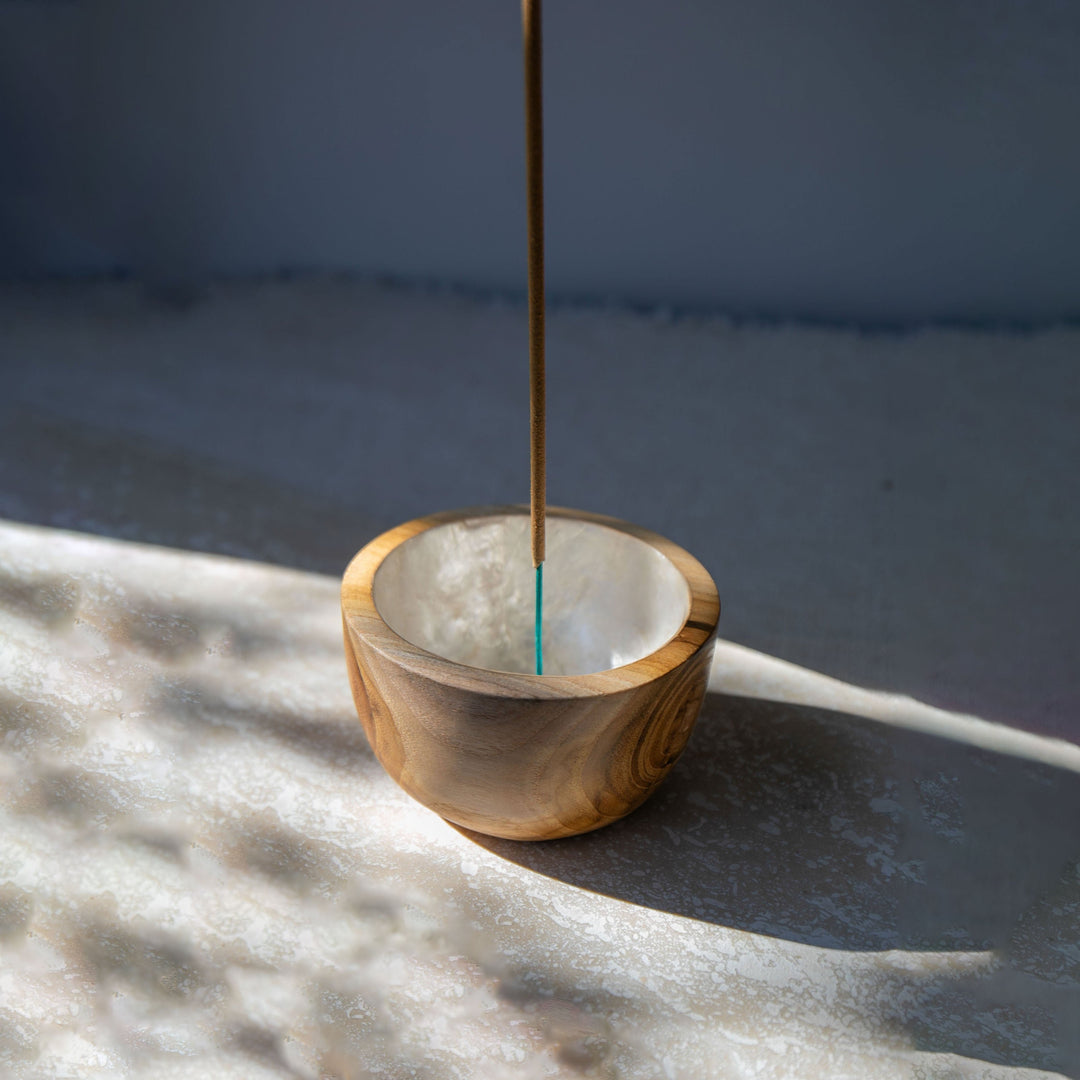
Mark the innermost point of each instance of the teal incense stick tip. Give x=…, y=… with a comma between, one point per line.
x=537, y=629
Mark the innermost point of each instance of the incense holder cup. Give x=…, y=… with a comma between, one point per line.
x=439, y=641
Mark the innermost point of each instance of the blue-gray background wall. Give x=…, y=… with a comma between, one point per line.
x=876, y=162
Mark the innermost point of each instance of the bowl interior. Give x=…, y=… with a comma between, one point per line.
x=465, y=591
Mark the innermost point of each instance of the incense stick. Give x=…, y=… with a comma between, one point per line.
x=538, y=626
x=534, y=187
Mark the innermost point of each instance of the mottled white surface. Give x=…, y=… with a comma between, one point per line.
x=203, y=872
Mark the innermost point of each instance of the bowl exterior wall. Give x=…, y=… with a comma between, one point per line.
x=527, y=767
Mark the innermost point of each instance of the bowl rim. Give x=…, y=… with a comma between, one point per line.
x=362, y=618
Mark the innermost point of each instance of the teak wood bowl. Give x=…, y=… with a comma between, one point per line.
x=438, y=621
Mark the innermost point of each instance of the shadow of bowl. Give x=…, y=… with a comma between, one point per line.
x=833, y=830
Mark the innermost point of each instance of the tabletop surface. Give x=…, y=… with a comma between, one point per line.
x=203, y=870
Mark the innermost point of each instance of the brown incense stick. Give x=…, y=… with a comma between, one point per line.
x=534, y=186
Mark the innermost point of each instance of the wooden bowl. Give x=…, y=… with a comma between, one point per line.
x=438, y=620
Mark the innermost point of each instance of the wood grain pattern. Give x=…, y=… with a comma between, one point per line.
x=526, y=757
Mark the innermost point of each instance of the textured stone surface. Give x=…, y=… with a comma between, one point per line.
x=203, y=872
